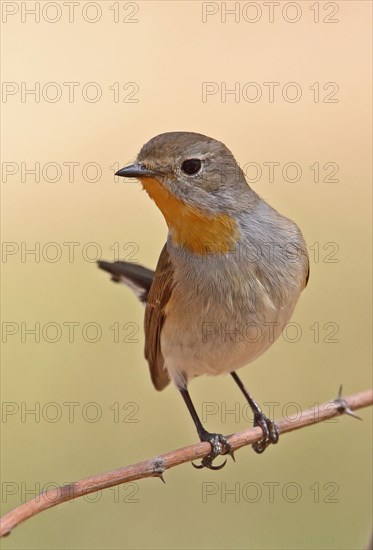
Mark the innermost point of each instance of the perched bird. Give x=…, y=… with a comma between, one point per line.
x=227, y=279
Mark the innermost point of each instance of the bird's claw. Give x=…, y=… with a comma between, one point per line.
x=219, y=446
x=206, y=463
x=270, y=431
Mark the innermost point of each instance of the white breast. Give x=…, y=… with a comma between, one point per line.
x=221, y=324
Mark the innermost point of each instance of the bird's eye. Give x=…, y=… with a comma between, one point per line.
x=191, y=166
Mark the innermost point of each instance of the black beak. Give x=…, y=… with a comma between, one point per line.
x=135, y=171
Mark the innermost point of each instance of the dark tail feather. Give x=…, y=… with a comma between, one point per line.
x=136, y=277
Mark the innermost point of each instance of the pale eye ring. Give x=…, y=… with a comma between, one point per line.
x=191, y=166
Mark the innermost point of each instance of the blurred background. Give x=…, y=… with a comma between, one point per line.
x=85, y=84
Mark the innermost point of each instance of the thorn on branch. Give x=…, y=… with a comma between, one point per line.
x=158, y=468
x=342, y=405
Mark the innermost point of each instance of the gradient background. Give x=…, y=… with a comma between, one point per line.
x=169, y=53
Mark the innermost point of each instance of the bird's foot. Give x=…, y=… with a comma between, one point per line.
x=270, y=431
x=219, y=446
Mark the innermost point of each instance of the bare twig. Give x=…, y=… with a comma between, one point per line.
x=156, y=466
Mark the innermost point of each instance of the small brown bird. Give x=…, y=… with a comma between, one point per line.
x=227, y=280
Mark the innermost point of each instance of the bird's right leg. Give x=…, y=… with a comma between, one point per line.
x=219, y=443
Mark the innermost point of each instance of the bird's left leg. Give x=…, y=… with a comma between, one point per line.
x=270, y=429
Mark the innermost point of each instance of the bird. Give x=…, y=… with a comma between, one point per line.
x=227, y=279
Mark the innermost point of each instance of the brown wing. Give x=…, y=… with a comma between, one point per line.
x=307, y=276
x=158, y=297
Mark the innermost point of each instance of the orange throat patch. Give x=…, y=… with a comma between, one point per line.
x=191, y=227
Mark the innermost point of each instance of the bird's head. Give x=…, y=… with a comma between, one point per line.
x=198, y=186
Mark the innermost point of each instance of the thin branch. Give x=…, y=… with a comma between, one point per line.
x=156, y=466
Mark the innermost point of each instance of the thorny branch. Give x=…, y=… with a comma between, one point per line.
x=156, y=466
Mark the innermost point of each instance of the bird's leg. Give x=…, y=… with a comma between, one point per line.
x=270, y=429
x=219, y=444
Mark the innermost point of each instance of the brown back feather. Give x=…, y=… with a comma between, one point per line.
x=158, y=297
